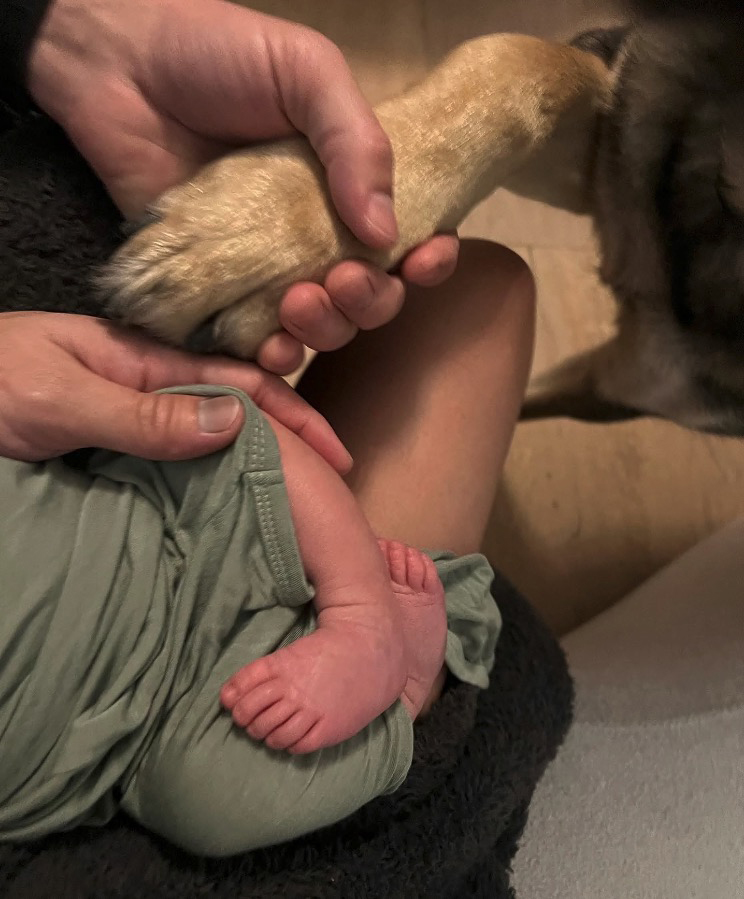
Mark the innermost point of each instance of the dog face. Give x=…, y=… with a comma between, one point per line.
x=669, y=212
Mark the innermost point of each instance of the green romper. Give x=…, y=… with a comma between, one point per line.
x=129, y=593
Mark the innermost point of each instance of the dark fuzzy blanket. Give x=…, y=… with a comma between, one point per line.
x=451, y=830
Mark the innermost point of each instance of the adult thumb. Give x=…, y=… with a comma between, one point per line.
x=324, y=102
x=163, y=426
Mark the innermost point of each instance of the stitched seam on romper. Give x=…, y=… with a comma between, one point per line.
x=263, y=505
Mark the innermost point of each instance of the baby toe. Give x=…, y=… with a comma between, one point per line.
x=266, y=722
x=255, y=702
x=292, y=730
x=396, y=557
x=312, y=741
x=415, y=569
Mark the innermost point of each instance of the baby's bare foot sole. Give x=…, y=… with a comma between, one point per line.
x=326, y=687
x=322, y=689
x=420, y=594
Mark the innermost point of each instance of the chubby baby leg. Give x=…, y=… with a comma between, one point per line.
x=326, y=687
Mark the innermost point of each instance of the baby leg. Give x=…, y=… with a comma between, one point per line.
x=327, y=686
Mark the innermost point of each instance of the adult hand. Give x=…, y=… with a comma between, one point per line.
x=149, y=90
x=71, y=381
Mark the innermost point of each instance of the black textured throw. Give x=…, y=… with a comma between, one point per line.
x=451, y=830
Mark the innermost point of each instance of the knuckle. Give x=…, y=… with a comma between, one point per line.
x=40, y=410
x=157, y=421
x=351, y=302
x=41, y=399
x=32, y=424
x=314, y=52
x=376, y=146
x=334, y=338
x=323, y=48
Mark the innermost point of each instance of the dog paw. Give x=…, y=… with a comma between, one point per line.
x=213, y=259
x=211, y=265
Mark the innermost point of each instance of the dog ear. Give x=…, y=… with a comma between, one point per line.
x=576, y=389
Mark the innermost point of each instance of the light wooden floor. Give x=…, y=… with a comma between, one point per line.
x=584, y=512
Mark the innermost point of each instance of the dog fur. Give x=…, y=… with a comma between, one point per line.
x=640, y=126
x=668, y=203
x=213, y=261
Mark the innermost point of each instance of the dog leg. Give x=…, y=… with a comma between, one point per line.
x=645, y=369
x=227, y=244
x=579, y=387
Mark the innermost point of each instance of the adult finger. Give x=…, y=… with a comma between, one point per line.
x=365, y=294
x=309, y=314
x=130, y=360
x=153, y=425
x=281, y=353
x=433, y=262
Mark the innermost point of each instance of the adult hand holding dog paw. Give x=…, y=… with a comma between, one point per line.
x=150, y=90
x=71, y=381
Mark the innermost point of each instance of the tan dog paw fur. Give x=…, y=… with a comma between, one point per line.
x=502, y=110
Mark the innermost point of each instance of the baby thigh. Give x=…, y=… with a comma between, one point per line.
x=207, y=787
x=336, y=543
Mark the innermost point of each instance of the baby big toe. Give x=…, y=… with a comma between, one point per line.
x=430, y=582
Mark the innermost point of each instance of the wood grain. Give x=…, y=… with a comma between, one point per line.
x=587, y=512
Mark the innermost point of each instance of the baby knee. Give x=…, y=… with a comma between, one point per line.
x=500, y=270
x=501, y=285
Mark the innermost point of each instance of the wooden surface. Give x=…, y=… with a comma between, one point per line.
x=585, y=512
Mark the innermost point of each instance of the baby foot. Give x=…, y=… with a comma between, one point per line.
x=327, y=686
x=419, y=592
